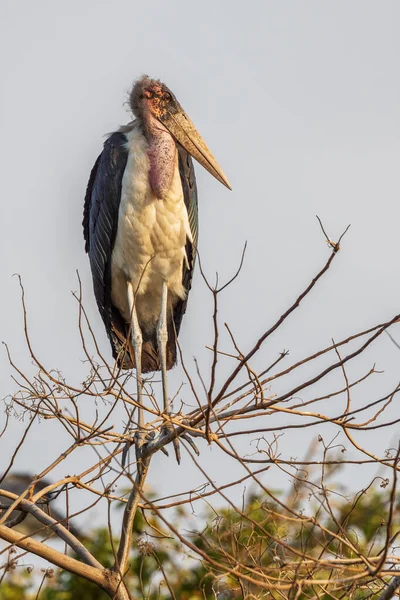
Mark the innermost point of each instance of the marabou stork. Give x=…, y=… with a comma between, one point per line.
x=17, y=483
x=140, y=226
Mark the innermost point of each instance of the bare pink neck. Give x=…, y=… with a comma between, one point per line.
x=162, y=156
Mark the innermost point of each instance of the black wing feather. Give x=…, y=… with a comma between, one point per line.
x=189, y=186
x=100, y=223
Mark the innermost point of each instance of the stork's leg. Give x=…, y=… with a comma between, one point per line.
x=162, y=338
x=137, y=340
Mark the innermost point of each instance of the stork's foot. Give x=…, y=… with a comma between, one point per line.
x=140, y=439
x=166, y=430
x=191, y=443
x=144, y=440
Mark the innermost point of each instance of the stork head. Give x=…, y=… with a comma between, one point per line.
x=151, y=99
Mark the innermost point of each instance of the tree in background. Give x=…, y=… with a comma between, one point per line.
x=319, y=540
x=255, y=538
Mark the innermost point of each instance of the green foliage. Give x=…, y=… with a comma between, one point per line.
x=15, y=585
x=261, y=537
x=368, y=517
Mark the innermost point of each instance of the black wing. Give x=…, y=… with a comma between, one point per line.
x=100, y=222
x=189, y=186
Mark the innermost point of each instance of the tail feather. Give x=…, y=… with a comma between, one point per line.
x=123, y=348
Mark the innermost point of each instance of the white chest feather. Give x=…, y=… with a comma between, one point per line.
x=151, y=236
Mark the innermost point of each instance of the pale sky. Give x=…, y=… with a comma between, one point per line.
x=299, y=102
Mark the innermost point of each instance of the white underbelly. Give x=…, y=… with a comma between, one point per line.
x=151, y=238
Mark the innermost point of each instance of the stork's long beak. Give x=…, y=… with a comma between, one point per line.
x=183, y=130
